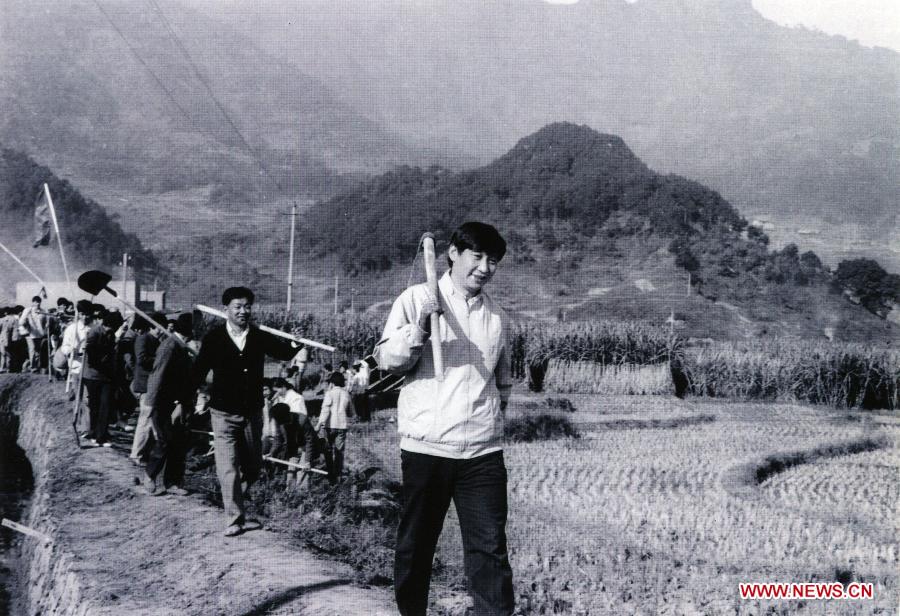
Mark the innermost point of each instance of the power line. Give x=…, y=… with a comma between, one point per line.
x=170, y=95
x=211, y=94
x=143, y=63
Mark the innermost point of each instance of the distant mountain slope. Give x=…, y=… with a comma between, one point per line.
x=132, y=110
x=790, y=122
x=91, y=237
x=593, y=231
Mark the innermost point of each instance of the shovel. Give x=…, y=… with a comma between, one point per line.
x=94, y=281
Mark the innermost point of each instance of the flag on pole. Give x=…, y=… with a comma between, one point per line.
x=41, y=220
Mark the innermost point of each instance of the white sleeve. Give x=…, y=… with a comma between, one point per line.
x=401, y=343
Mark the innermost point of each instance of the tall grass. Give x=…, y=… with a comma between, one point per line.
x=609, y=357
x=611, y=380
x=535, y=344
x=839, y=375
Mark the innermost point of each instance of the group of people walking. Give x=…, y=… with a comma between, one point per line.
x=160, y=367
x=30, y=335
x=451, y=424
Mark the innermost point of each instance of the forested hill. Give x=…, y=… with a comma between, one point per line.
x=593, y=231
x=559, y=188
x=91, y=237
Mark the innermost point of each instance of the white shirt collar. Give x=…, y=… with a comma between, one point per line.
x=448, y=286
x=238, y=337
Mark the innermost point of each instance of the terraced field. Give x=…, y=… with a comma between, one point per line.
x=639, y=519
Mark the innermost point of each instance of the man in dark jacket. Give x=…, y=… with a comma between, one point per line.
x=146, y=342
x=235, y=352
x=99, y=371
x=170, y=396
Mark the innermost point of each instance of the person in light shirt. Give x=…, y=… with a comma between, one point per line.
x=332, y=426
x=358, y=390
x=284, y=393
x=452, y=429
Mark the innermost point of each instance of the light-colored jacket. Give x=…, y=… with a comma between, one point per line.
x=460, y=417
x=33, y=323
x=335, y=406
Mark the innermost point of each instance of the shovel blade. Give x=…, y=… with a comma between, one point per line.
x=94, y=281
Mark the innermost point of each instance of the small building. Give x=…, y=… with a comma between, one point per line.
x=129, y=290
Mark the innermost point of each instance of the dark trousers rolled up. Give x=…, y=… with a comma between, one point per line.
x=306, y=437
x=169, y=449
x=335, y=440
x=100, y=399
x=361, y=406
x=478, y=489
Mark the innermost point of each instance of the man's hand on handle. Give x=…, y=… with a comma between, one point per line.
x=429, y=307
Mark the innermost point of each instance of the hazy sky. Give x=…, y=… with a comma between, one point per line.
x=871, y=22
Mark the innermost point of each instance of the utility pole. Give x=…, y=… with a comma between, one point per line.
x=125, y=277
x=689, y=285
x=335, y=294
x=290, y=285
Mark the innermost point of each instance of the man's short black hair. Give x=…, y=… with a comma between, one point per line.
x=84, y=306
x=62, y=301
x=480, y=237
x=113, y=319
x=232, y=293
x=160, y=318
x=343, y=364
x=36, y=298
x=280, y=382
x=140, y=324
x=184, y=324
x=337, y=379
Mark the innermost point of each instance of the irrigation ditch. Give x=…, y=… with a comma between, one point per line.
x=112, y=549
x=16, y=485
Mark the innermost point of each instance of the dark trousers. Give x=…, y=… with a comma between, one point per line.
x=306, y=436
x=361, y=406
x=335, y=440
x=100, y=399
x=169, y=449
x=478, y=490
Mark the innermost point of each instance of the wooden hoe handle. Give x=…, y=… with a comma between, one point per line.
x=431, y=278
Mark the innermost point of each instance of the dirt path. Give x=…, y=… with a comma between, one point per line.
x=137, y=554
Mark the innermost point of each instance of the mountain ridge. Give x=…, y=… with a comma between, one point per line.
x=584, y=216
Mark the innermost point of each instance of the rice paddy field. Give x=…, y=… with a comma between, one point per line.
x=663, y=506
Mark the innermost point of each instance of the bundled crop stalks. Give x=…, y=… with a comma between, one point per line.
x=609, y=343
x=840, y=375
x=617, y=379
x=542, y=427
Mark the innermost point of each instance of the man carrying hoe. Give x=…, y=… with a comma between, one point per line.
x=452, y=429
